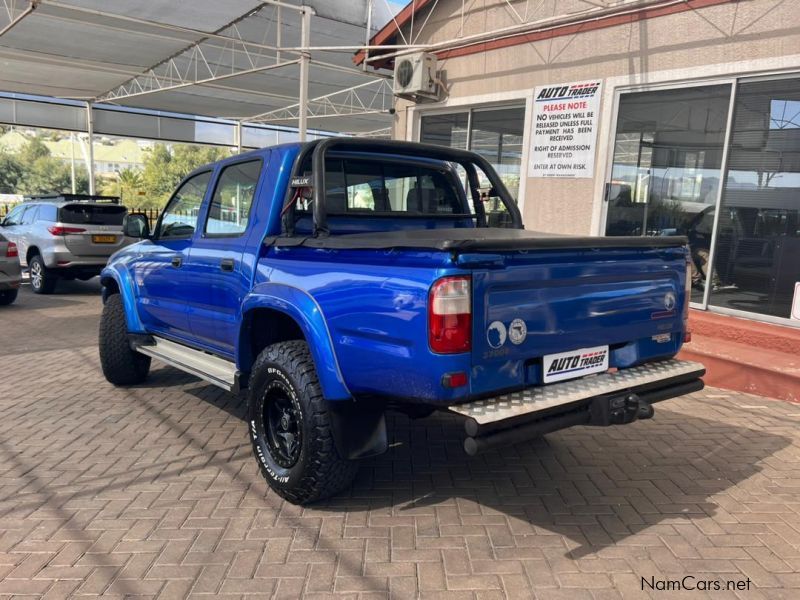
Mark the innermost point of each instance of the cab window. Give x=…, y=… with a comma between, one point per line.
x=229, y=211
x=179, y=219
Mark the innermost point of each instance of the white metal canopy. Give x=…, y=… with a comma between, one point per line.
x=246, y=60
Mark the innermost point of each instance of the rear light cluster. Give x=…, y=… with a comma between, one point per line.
x=450, y=315
x=61, y=230
x=11, y=250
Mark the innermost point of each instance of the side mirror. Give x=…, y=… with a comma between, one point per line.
x=136, y=225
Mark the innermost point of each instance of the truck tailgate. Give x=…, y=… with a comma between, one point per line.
x=549, y=302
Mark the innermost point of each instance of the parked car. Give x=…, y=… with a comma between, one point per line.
x=10, y=272
x=357, y=276
x=65, y=236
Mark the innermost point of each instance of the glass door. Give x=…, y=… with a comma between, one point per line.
x=665, y=174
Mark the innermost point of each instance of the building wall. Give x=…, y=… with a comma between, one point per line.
x=724, y=39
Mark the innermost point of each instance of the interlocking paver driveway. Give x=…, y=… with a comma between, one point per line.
x=152, y=491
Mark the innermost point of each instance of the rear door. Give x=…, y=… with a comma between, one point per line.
x=158, y=271
x=92, y=230
x=216, y=273
x=555, y=302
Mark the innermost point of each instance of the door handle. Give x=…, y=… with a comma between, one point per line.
x=226, y=264
x=177, y=261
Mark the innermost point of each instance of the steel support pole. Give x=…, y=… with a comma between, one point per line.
x=305, y=59
x=90, y=131
x=238, y=133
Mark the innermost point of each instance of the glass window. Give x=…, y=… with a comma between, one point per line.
x=30, y=215
x=229, y=211
x=83, y=214
x=48, y=212
x=445, y=130
x=363, y=186
x=15, y=216
x=666, y=167
x=496, y=134
x=756, y=262
x=179, y=218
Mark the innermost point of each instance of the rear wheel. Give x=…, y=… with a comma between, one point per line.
x=291, y=429
x=121, y=364
x=43, y=280
x=7, y=297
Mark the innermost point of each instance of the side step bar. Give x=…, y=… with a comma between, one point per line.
x=209, y=367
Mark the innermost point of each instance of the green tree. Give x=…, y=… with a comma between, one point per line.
x=43, y=174
x=165, y=166
x=11, y=172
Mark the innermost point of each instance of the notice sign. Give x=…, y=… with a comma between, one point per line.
x=564, y=130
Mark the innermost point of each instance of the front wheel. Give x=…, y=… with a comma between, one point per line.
x=43, y=281
x=121, y=364
x=290, y=427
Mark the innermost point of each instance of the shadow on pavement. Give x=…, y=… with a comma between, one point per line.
x=594, y=486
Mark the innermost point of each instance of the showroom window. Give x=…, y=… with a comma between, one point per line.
x=671, y=173
x=494, y=133
x=757, y=255
x=666, y=167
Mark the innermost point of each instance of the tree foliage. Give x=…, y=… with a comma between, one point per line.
x=33, y=170
x=164, y=167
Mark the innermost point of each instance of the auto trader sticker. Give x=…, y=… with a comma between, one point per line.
x=575, y=363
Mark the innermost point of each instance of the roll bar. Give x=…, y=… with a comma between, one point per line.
x=466, y=159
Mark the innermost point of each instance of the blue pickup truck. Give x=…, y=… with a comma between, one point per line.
x=335, y=280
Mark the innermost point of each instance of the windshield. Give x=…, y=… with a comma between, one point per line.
x=92, y=214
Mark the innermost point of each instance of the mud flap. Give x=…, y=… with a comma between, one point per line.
x=358, y=431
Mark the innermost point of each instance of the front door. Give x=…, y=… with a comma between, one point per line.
x=217, y=276
x=159, y=271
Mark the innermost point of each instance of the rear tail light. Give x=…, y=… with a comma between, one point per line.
x=61, y=230
x=450, y=315
x=11, y=250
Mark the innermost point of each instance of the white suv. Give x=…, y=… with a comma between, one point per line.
x=65, y=236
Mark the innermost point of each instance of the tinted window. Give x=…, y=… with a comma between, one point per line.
x=230, y=207
x=89, y=214
x=364, y=187
x=179, y=219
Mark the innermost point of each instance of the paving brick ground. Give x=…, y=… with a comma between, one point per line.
x=152, y=492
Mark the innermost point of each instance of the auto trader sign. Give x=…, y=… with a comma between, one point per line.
x=564, y=130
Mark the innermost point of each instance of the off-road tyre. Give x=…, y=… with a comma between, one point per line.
x=43, y=280
x=121, y=364
x=284, y=375
x=7, y=297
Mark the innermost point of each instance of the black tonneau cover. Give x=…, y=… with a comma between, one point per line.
x=472, y=239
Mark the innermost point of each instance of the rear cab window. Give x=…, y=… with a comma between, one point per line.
x=376, y=188
x=90, y=214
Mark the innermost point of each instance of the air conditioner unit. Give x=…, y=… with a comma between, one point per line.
x=415, y=76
